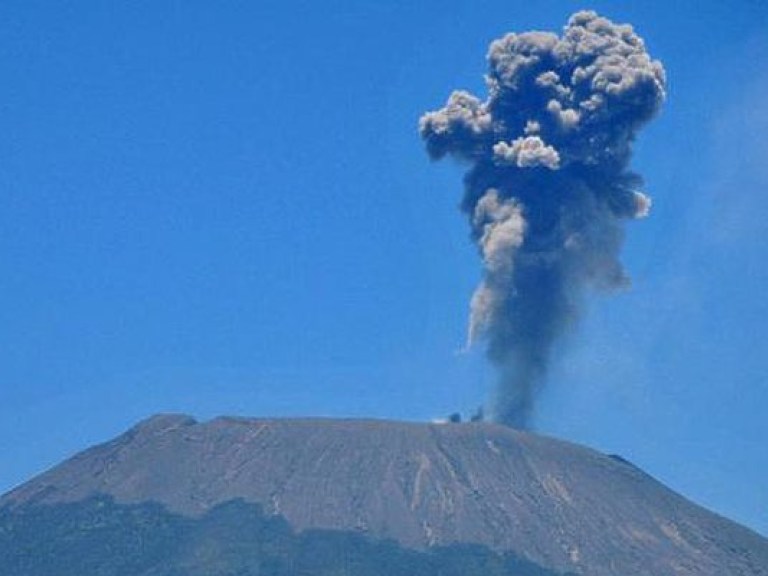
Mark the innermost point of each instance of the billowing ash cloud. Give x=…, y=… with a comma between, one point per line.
x=548, y=187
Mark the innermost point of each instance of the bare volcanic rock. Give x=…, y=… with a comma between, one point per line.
x=564, y=507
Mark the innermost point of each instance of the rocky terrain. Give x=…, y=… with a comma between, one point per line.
x=541, y=505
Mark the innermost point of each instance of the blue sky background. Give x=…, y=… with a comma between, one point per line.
x=225, y=208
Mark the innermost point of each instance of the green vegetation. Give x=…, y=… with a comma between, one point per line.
x=101, y=538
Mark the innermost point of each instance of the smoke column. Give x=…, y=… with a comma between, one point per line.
x=548, y=187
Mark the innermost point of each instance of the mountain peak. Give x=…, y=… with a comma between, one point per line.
x=159, y=423
x=561, y=505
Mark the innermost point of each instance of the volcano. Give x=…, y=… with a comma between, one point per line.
x=174, y=496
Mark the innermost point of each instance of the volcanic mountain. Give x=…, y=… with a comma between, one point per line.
x=242, y=496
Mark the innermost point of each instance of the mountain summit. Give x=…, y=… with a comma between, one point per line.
x=552, y=506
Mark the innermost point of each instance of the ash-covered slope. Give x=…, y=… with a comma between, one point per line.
x=563, y=507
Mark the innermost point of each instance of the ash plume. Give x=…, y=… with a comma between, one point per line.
x=548, y=187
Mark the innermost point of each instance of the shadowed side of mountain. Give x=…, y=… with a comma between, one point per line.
x=99, y=536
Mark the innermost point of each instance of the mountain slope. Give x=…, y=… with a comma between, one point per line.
x=100, y=537
x=425, y=486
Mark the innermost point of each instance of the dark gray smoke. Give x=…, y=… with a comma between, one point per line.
x=548, y=187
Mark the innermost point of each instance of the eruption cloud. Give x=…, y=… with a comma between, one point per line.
x=548, y=187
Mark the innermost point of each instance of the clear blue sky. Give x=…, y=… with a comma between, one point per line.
x=225, y=208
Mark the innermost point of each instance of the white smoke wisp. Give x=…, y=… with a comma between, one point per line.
x=549, y=188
